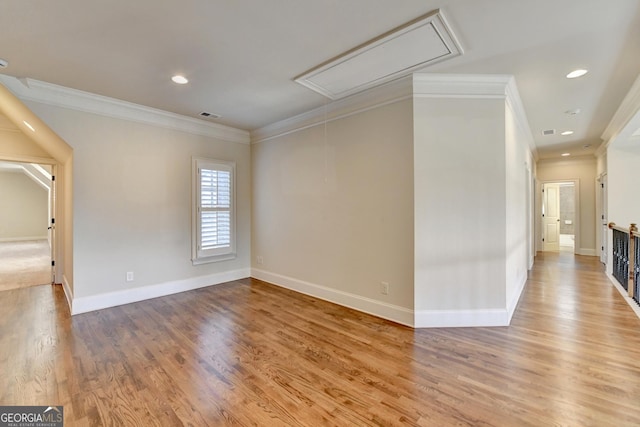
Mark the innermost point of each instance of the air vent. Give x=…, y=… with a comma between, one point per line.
x=210, y=115
x=549, y=132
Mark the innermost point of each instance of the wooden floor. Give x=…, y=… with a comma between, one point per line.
x=248, y=353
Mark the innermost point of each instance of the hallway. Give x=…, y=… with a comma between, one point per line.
x=248, y=352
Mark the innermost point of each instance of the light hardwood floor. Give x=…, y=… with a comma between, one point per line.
x=249, y=353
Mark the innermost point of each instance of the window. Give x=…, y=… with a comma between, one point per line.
x=213, y=211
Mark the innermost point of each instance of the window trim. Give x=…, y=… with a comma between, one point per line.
x=198, y=163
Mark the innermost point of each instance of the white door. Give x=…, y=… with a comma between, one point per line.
x=604, y=229
x=551, y=217
x=52, y=224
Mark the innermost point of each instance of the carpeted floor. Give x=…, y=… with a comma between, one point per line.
x=24, y=264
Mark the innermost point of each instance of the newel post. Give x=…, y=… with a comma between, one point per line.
x=633, y=231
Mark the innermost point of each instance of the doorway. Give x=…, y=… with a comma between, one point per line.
x=26, y=234
x=559, y=216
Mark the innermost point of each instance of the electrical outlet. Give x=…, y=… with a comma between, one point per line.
x=384, y=288
x=260, y=260
x=129, y=276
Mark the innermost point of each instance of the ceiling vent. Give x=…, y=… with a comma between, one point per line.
x=397, y=53
x=549, y=132
x=210, y=115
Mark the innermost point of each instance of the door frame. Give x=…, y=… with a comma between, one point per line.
x=56, y=268
x=540, y=186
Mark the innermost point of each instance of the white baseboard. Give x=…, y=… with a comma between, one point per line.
x=376, y=308
x=586, y=252
x=461, y=318
x=22, y=239
x=471, y=318
x=127, y=296
x=511, y=307
x=67, y=291
x=625, y=295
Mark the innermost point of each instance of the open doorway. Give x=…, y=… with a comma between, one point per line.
x=26, y=236
x=559, y=216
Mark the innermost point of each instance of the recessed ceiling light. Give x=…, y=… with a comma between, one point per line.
x=577, y=73
x=573, y=112
x=181, y=80
x=565, y=154
x=3, y=63
x=566, y=132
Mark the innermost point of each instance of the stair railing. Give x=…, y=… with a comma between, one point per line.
x=626, y=258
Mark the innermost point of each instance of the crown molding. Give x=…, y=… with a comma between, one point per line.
x=586, y=159
x=388, y=93
x=627, y=110
x=486, y=86
x=514, y=100
x=47, y=93
x=477, y=86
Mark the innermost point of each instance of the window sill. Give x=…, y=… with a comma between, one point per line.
x=210, y=259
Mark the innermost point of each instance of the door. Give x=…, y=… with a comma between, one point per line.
x=604, y=229
x=52, y=224
x=551, y=217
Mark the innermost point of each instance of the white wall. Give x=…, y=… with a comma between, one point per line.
x=519, y=204
x=333, y=210
x=473, y=168
x=132, y=207
x=583, y=170
x=460, y=207
x=623, y=178
x=23, y=207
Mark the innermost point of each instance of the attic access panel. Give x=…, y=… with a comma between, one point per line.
x=416, y=44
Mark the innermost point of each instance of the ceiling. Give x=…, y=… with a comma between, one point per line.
x=242, y=56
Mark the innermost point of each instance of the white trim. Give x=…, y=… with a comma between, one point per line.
x=376, y=308
x=199, y=256
x=67, y=292
x=470, y=318
x=577, y=214
x=60, y=96
x=461, y=318
x=515, y=299
x=625, y=295
x=398, y=90
x=586, y=252
x=629, y=107
x=517, y=108
x=22, y=239
x=127, y=296
x=487, y=86
x=573, y=160
x=477, y=86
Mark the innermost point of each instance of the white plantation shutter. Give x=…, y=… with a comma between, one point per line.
x=214, y=210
